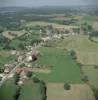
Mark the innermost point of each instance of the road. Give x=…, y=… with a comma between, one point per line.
x=12, y=72
x=18, y=65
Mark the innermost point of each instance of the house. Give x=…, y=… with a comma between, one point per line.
x=45, y=39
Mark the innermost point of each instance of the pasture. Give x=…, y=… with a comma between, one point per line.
x=8, y=90
x=63, y=67
x=30, y=91
x=92, y=74
x=87, y=51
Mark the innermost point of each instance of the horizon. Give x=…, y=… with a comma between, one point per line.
x=40, y=3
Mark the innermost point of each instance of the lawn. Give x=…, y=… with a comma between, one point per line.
x=92, y=74
x=8, y=90
x=63, y=68
x=30, y=91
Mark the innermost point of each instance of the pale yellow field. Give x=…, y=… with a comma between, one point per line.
x=77, y=92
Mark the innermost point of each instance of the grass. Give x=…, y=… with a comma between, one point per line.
x=92, y=74
x=6, y=59
x=8, y=90
x=42, y=23
x=30, y=91
x=87, y=51
x=77, y=92
x=18, y=33
x=64, y=69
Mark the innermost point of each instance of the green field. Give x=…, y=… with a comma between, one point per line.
x=64, y=69
x=4, y=59
x=30, y=91
x=92, y=74
x=8, y=90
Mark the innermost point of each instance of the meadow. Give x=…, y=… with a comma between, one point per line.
x=63, y=67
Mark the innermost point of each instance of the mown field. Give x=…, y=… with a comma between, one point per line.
x=63, y=68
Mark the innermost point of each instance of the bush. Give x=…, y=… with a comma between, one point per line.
x=67, y=86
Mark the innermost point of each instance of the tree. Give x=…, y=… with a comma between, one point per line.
x=1, y=69
x=85, y=78
x=0, y=78
x=1, y=29
x=17, y=94
x=73, y=54
x=43, y=90
x=67, y=86
x=35, y=79
x=29, y=74
x=16, y=77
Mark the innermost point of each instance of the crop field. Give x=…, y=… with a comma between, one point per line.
x=92, y=74
x=30, y=91
x=63, y=68
x=77, y=92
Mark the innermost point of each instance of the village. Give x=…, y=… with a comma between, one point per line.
x=49, y=56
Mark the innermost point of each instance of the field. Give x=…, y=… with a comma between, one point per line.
x=4, y=59
x=87, y=54
x=63, y=68
x=8, y=90
x=30, y=91
x=92, y=74
x=77, y=92
x=85, y=49
x=41, y=23
x=15, y=34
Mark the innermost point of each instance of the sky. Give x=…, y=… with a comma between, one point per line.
x=37, y=3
